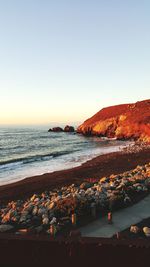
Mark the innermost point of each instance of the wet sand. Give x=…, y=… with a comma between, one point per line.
x=103, y=165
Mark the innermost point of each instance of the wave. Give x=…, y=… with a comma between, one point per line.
x=34, y=158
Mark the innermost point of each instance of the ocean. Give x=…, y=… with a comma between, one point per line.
x=26, y=152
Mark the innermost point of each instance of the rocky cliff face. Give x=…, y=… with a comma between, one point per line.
x=122, y=121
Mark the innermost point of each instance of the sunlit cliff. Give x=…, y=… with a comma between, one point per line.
x=124, y=121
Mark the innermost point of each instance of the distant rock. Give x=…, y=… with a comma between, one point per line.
x=69, y=129
x=126, y=121
x=5, y=228
x=55, y=129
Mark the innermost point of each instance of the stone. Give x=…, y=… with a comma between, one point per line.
x=39, y=229
x=35, y=210
x=69, y=129
x=56, y=129
x=122, y=122
x=51, y=205
x=33, y=197
x=41, y=211
x=45, y=220
x=84, y=185
x=134, y=229
x=55, y=207
x=53, y=221
x=146, y=231
x=5, y=228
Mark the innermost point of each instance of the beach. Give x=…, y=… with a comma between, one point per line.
x=73, y=251
x=103, y=165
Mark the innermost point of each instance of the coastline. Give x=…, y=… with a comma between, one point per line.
x=103, y=165
x=20, y=169
x=73, y=250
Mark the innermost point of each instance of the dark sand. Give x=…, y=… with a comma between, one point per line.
x=98, y=167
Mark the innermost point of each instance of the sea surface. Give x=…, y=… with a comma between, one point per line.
x=26, y=152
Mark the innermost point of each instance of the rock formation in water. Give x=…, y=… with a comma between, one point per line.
x=126, y=121
x=55, y=129
x=67, y=129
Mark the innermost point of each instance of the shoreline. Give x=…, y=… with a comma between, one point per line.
x=102, y=165
x=28, y=171
x=73, y=250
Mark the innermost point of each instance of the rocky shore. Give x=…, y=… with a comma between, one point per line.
x=103, y=165
x=136, y=147
x=60, y=208
x=74, y=252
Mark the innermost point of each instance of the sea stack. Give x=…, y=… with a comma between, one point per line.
x=55, y=129
x=126, y=121
x=69, y=129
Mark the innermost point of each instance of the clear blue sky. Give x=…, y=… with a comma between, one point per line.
x=63, y=60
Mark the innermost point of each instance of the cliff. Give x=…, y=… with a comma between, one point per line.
x=126, y=121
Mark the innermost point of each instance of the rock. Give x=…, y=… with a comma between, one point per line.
x=25, y=214
x=15, y=218
x=5, y=228
x=103, y=180
x=146, y=231
x=56, y=129
x=51, y=205
x=53, y=221
x=39, y=229
x=35, y=210
x=69, y=129
x=41, y=211
x=134, y=229
x=33, y=197
x=126, y=121
x=23, y=219
x=29, y=207
x=56, y=207
x=85, y=185
x=45, y=220
x=6, y=218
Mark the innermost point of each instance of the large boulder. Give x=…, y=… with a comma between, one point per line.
x=69, y=129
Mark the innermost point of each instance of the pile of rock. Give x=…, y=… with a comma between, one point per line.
x=56, y=207
x=67, y=129
x=135, y=147
x=136, y=230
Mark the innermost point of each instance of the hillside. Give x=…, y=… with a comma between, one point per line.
x=124, y=121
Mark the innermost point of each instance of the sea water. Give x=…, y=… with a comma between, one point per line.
x=26, y=152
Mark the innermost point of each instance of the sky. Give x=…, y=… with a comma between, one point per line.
x=62, y=61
